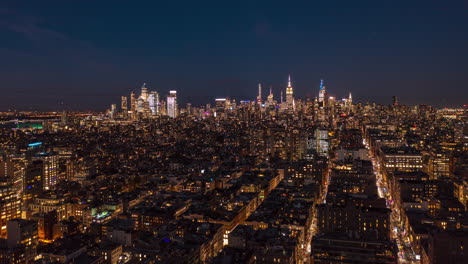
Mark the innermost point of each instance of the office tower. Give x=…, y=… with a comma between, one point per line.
x=395, y=100
x=13, y=168
x=259, y=96
x=10, y=204
x=113, y=110
x=438, y=164
x=172, y=104
x=49, y=169
x=153, y=101
x=319, y=142
x=132, y=102
x=32, y=181
x=144, y=92
x=124, y=106
x=270, y=97
x=289, y=92
x=322, y=93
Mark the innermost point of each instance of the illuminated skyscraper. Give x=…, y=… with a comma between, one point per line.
x=270, y=98
x=259, y=96
x=10, y=204
x=49, y=170
x=172, y=104
x=144, y=92
x=289, y=92
x=124, y=105
x=113, y=110
x=132, y=102
x=322, y=93
x=153, y=101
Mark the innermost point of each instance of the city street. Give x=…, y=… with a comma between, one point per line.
x=405, y=252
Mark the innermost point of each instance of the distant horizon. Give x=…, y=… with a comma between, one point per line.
x=384, y=100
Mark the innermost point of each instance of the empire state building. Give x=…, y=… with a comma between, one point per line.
x=289, y=92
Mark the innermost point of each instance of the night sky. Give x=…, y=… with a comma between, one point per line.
x=84, y=54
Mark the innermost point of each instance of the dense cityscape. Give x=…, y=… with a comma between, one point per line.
x=275, y=179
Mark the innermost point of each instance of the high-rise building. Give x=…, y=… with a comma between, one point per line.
x=22, y=242
x=259, y=96
x=320, y=142
x=144, y=92
x=395, y=100
x=289, y=92
x=124, y=105
x=132, y=102
x=270, y=97
x=10, y=204
x=322, y=93
x=153, y=101
x=113, y=110
x=32, y=181
x=50, y=163
x=13, y=169
x=22, y=233
x=172, y=104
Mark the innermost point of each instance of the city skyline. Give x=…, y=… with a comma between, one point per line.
x=201, y=100
x=82, y=57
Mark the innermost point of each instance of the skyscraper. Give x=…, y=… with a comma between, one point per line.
x=153, y=101
x=10, y=204
x=259, y=96
x=172, y=104
x=322, y=94
x=49, y=169
x=270, y=97
x=132, y=102
x=124, y=105
x=289, y=92
x=144, y=92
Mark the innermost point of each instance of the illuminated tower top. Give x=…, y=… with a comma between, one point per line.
x=289, y=89
x=322, y=92
x=270, y=96
x=289, y=92
x=144, y=92
x=259, y=97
